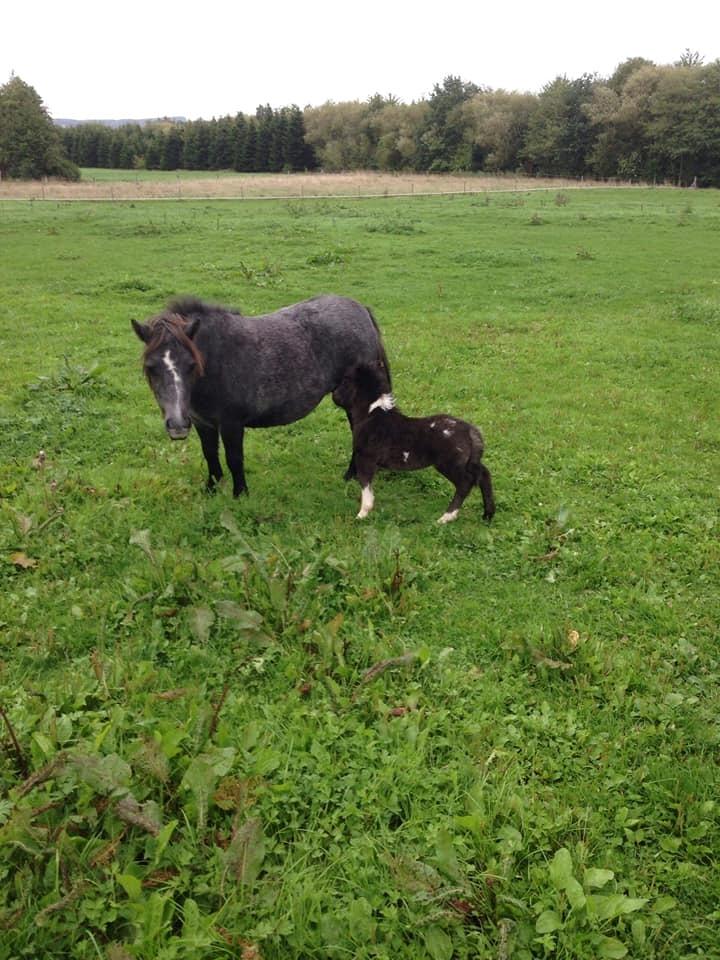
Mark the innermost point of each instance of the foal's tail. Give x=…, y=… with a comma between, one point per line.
x=382, y=359
x=480, y=473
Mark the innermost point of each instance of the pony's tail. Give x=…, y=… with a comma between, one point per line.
x=477, y=449
x=382, y=359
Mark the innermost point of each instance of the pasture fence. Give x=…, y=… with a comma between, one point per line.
x=294, y=187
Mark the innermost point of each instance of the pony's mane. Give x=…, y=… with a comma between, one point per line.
x=194, y=306
x=171, y=326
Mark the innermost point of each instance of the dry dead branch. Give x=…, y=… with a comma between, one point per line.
x=19, y=755
x=379, y=668
x=42, y=775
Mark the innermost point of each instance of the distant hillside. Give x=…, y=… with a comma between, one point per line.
x=119, y=123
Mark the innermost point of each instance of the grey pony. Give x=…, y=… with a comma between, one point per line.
x=220, y=371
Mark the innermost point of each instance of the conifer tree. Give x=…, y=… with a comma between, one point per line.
x=30, y=146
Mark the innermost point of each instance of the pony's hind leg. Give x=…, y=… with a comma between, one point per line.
x=210, y=439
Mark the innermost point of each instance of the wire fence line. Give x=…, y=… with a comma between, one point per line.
x=325, y=187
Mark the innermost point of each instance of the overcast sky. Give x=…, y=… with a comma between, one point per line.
x=151, y=59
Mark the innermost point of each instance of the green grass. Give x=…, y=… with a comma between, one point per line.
x=108, y=175
x=184, y=674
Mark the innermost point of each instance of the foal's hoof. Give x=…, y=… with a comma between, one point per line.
x=449, y=516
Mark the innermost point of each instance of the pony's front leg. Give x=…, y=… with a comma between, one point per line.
x=232, y=437
x=209, y=439
x=351, y=472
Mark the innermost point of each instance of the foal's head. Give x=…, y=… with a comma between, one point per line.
x=172, y=363
x=364, y=387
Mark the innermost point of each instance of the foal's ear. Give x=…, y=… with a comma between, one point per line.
x=192, y=328
x=142, y=330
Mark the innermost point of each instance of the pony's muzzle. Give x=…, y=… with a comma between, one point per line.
x=177, y=429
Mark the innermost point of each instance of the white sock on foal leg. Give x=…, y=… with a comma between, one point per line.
x=366, y=502
x=449, y=516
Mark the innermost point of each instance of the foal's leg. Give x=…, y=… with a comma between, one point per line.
x=232, y=437
x=365, y=474
x=209, y=439
x=463, y=485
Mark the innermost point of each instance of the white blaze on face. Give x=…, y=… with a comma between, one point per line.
x=366, y=502
x=174, y=411
x=170, y=364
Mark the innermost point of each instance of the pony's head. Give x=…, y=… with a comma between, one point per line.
x=172, y=364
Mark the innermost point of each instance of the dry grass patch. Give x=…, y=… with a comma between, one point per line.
x=227, y=185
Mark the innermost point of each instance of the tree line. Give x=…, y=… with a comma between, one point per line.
x=646, y=122
x=268, y=142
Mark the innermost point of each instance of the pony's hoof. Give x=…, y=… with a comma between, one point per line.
x=448, y=517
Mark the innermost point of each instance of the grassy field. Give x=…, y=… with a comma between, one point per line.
x=263, y=729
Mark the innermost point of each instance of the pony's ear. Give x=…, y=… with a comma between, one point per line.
x=142, y=330
x=192, y=328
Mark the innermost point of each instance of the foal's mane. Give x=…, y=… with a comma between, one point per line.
x=171, y=326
